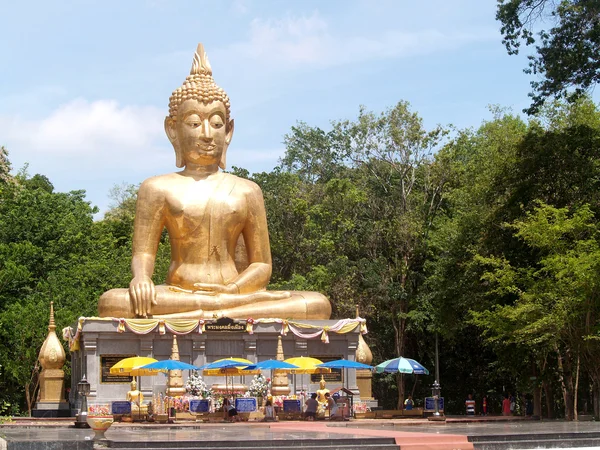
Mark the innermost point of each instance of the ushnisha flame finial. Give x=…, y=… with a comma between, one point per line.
x=199, y=85
x=200, y=66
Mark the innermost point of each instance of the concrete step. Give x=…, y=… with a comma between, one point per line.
x=508, y=443
x=311, y=447
x=304, y=444
x=535, y=436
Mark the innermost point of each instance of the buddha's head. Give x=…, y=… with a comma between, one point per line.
x=199, y=124
x=133, y=385
x=322, y=383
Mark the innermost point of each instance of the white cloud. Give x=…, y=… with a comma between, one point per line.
x=291, y=42
x=90, y=145
x=86, y=128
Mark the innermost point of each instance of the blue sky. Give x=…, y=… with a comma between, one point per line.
x=85, y=84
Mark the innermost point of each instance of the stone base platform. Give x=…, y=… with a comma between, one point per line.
x=98, y=343
x=485, y=433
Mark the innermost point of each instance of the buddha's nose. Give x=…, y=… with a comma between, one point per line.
x=206, y=132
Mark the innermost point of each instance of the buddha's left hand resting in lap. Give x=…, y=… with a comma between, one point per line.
x=206, y=212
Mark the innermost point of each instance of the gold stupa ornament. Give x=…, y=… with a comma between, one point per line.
x=175, y=384
x=52, y=358
x=280, y=382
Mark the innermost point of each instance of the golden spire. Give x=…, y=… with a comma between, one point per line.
x=279, y=383
x=175, y=383
x=52, y=325
x=279, y=356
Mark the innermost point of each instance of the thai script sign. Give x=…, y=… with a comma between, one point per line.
x=225, y=324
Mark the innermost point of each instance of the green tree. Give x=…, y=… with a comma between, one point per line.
x=557, y=307
x=567, y=56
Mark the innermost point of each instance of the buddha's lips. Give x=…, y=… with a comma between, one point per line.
x=206, y=148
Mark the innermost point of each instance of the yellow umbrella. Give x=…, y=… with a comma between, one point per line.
x=307, y=364
x=131, y=367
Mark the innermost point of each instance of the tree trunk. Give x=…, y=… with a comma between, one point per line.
x=537, y=401
x=549, y=400
x=596, y=398
x=566, y=383
x=575, y=413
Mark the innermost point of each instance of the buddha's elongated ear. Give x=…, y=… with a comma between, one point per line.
x=228, y=136
x=172, y=135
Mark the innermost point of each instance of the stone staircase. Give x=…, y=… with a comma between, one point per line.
x=300, y=444
x=536, y=440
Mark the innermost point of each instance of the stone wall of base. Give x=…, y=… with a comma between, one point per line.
x=101, y=342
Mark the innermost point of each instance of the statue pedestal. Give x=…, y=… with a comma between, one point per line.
x=364, y=380
x=51, y=409
x=51, y=403
x=101, y=342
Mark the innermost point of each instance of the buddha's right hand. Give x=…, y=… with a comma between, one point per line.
x=142, y=296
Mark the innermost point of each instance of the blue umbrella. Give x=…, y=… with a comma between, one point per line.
x=418, y=368
x=344, y=364
x=401, y=365
x=169, y=364
x=273, y=364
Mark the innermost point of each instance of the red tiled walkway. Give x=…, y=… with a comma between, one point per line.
x=404, y=439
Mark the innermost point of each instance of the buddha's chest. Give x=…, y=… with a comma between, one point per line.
x=196, y=207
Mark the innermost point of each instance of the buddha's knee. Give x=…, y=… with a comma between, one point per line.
x=317, y=305
x=115, y=303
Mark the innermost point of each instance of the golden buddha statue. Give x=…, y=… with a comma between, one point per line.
x=137, y=400
x=217, y=225
x=321, y=397
x=322, y=391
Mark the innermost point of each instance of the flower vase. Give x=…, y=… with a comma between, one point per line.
x=99, y=418
x=99, y=424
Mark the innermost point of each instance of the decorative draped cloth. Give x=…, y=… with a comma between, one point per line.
x=186, y=326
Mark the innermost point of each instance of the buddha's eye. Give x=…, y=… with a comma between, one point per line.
x=216, y=122
x=193, y=121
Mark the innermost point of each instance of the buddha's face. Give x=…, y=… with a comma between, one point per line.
x=199, y=133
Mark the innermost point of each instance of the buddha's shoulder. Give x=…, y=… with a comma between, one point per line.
x=159, y=182
x=243, y=184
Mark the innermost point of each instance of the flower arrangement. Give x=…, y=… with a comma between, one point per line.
x=196, y=386
x=259, y=386
x=360, y=407
x=99, y=409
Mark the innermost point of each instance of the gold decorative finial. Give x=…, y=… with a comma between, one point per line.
x=200, y=65
x=357, y=315
x=175, y=382
x=52, y=325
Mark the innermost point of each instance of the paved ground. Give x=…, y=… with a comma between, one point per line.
x=407, y=432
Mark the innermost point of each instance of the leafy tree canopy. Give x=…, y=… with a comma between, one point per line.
x=568, y=54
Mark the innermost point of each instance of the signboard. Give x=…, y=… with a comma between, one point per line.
x=245, y=404
x=334, y=377
x=121, y=407
x=106, y=362
x=430, y=404
x=225, y=324
x=199, y=406
x=291, y=406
